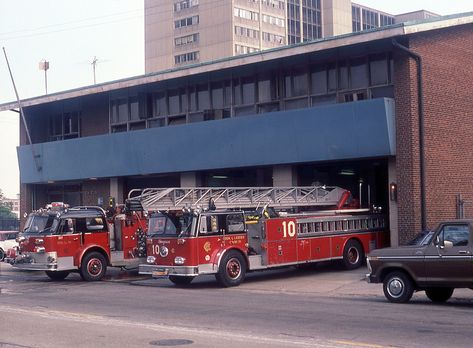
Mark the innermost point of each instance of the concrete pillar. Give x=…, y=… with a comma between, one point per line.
x=117, y=190
x=393, y=205
x=336, y=17
x=189, y=179
x=284, y=176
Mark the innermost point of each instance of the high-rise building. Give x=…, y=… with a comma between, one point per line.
x=183, y=32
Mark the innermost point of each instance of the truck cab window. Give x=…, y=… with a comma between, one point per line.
x=457, y=234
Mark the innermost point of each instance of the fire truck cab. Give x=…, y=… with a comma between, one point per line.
x=60, y=240
x=229, y=242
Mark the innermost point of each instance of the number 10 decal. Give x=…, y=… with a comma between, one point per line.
x=288, y=229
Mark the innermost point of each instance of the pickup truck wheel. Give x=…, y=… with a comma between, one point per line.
x=93, y=267
x=353, y=255
x=57, y=275
x=232, y=269
x=439, y=295
x=2, y=254
x=180, y=280
x=397, y=287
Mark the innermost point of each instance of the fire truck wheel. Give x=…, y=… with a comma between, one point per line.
x=180, y=280
x=2, y=254
x=57, y=275
x=232, y=269
x=353, y=254
x=93, y=267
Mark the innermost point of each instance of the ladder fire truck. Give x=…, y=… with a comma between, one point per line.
x=252, y=229
x=87, y=239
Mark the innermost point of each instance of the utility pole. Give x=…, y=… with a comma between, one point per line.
x=44, y=65
x=94, y=64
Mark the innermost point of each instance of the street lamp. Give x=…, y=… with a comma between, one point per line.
x=44, y=65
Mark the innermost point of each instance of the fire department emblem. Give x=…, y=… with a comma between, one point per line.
x=163, y=251
x=207, y=247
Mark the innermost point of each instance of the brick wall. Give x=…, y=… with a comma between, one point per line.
x=448, y=111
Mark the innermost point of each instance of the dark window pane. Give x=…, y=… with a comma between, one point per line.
x=382, y=92
x=176, y=120
x=192, y=99
x=379, y=71
x=319, y=80
x=196, y=117
x=237, y=100
x=248, y=90
x=266, y=88
x=217, y=95
x=343, y=76
x=159, y=122
x=174, y=102
x=332, y=78
x=324, y=99
x=299, y=83
x=203, y=97
x=270, y=107
x=160, y=103
x=359, y=73
x=245, y=110
x=134, y=108
x=296, y=104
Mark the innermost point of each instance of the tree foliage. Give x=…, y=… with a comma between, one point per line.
x=5, y=208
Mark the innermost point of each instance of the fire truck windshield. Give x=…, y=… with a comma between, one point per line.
x=168, y=225
x=40, y=224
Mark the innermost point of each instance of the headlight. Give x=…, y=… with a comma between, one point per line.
x=150, y=259
x=179, y=260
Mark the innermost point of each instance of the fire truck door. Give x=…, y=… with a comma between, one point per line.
x=256, y=236
x=68, y=239
x=95, y=231
x=281, y=241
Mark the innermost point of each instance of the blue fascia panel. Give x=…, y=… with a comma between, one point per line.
x=335, y=132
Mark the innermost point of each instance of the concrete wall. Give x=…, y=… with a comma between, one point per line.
x=336, y=17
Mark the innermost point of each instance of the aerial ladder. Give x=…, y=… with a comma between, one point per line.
x=165, y=199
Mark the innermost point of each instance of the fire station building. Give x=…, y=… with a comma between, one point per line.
x=385, y=113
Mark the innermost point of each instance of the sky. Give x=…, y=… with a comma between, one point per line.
x=69, y=34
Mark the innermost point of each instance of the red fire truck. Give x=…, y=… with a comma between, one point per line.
x=253, y=229
x=60, y=240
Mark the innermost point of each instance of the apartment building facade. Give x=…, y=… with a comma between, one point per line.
x=184, y=32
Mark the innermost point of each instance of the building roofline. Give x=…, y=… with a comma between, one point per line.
x=350, y=39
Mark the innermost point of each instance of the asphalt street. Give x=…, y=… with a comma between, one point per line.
x=321, y=307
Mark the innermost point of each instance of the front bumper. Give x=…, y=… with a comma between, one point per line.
x=35, y=262
x=157, y=271
x=370, y=278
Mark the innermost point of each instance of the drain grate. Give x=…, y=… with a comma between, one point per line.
x=171, y=343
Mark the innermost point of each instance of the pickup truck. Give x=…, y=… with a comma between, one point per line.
x=437, y=266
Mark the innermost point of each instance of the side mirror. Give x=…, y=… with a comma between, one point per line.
x=447, y=244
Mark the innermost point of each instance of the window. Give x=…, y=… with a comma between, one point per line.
x=186, y=57
x=457, y=234
x=358, y=73
x=296, y=83
x=186, y=40
x=182, y=5
x=64, y=126
x=246, y=14
x=186, y=22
